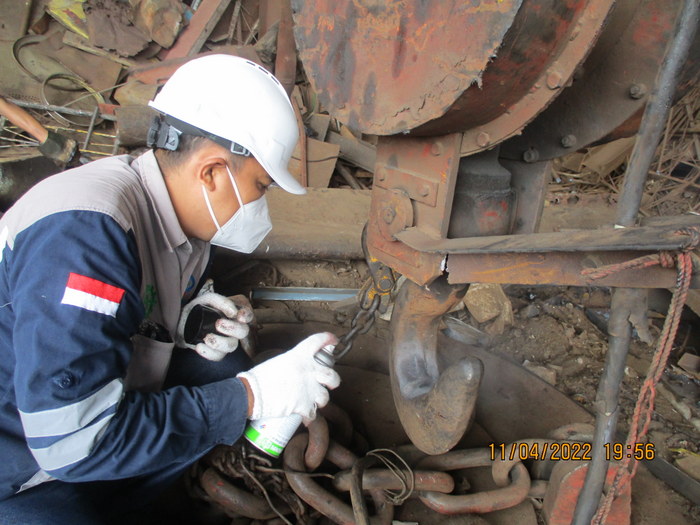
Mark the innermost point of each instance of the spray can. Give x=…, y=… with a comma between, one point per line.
x=271, y=434
x=200, y=322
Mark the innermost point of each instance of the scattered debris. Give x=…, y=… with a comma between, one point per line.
x=545, y=373
x=487, y=302
x=691, y=364
x=681, y=406
x=672, y=187
x=88, y=54
x=689, y=463
x=110, y=27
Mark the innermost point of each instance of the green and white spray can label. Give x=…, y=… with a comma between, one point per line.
x=271, y=434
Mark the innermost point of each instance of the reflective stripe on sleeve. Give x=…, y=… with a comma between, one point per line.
x=37, y=479
x=4, y=234
x=70, y=449
x=70, y=418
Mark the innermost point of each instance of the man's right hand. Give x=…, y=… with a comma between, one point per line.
x=293, y=382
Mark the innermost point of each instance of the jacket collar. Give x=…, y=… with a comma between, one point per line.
x=153, y=182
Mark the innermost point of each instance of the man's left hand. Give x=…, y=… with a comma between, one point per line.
x=230, y=329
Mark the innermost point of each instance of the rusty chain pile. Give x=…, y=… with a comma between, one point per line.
x=337, y=478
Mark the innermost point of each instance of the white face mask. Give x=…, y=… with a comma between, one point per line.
x=247, y=228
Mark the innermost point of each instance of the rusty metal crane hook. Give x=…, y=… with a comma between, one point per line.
x=435, y=407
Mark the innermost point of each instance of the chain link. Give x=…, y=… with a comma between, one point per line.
x=361, y=324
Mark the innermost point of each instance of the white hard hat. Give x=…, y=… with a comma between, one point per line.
x=240, y=101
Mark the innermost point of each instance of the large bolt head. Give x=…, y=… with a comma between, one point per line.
x=388, y=214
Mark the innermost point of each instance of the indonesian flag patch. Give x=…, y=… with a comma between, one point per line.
x=91, y=294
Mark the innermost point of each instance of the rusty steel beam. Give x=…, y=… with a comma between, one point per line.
x=642, y=238
x=557, y=269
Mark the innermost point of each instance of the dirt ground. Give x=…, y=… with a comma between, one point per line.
x=559, y=333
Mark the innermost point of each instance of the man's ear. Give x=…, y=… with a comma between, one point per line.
x=209, y=166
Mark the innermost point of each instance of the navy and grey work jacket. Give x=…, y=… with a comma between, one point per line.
x=93, y=264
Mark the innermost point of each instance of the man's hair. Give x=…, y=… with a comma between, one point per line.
x=188, y=145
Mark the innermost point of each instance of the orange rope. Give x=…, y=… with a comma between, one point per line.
x=644, y=407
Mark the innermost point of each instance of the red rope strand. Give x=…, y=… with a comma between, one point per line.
x=644, y=407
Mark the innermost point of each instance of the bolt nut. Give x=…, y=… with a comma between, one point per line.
x=554, y=80
x=568, y=141
x=388, y=214
x=381, y=174
x=385, y=284
x=531, y=155
x=483, y=139
x=637, y=91
x=436, y=149
x=424, y=190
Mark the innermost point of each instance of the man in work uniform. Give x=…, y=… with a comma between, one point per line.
x=96, y=264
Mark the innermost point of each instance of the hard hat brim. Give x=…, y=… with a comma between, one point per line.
x=285, y=180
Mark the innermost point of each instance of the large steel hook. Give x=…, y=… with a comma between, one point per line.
x=435, y=407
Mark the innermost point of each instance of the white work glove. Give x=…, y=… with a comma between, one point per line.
x=293, y=382
x=230, y=329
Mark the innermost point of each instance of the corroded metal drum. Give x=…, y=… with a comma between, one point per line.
x=390, y=67
x=489, y=68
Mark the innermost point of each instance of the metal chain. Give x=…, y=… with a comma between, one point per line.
x=243, y=483
x=361, y=324
x=381, y=282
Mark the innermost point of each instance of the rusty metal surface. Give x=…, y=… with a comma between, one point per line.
x=457, y=459
x=630, y=239
x=529, y=181
x=235, y=500
x=482, y=502
x=308, y=489
x=560, y=269
x=484, y=200
x=317, y=447
x=435, y=406
x=323, y=224
x=537, y=60
x=391, y=67
x=613, y=85
x=386, y=480
x=286, y=58
x=200, y=26
x=319, y=498
x=427, y=170
x=384, y=510
x=626, y=302
x=565, y=485
x=386, y=67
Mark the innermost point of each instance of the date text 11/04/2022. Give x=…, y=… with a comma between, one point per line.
x=568, y=451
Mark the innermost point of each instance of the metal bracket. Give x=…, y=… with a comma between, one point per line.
x=413, y=186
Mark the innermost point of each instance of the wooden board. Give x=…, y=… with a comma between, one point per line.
x=321, y=159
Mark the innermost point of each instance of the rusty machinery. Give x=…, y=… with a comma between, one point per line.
x=470, y=100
